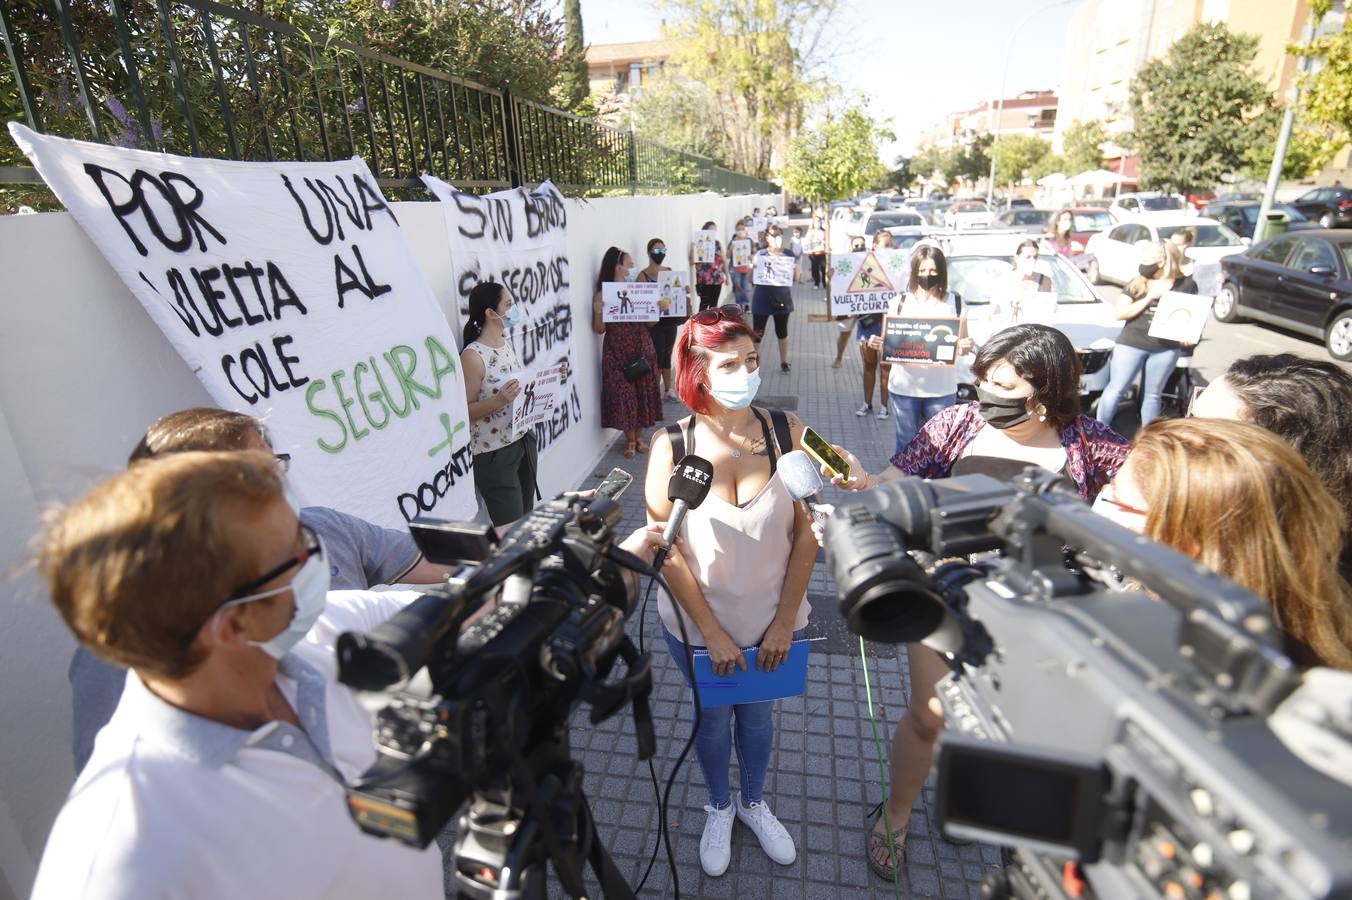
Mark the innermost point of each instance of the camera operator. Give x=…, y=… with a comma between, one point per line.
x=361, y=554
x=1242, y=502
x=1028, y=393
x=222, y=771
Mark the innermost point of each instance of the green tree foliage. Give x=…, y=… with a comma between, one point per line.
x=573, y=87
x=1307, y=152
x=1049, y=163
x=837, y=160
x=1083, y=146
x=936, y=163
x=1016, y=155
x=902, y=174
x=1199, y=110
x=973, y=162
x=755, y=57
x=674, y=110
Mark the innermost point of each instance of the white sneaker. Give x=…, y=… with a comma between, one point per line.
x=864, y=410
x=671, y=396
x=715, y=845
x=774, y=840
x=882, y=412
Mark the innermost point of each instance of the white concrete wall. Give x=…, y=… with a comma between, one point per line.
x=83, y=371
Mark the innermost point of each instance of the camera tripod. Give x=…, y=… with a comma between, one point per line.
x=503, y=842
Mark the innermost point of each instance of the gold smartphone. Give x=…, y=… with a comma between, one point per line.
x=816, y=446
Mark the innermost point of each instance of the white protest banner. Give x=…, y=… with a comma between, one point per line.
x=539, y=395
x=773, y=270
x=866, y=283
x=519, y=239
x=630, y=301
x=1180, y=317
x=704, y=246
x=740, y=248
x=673, y=293
x=290, y=291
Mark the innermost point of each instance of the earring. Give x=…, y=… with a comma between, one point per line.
x=1042, y=412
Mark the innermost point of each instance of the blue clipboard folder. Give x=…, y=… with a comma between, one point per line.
x=789, y=679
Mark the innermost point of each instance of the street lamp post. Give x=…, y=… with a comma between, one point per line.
x=1004, y=77
x=1283, y=139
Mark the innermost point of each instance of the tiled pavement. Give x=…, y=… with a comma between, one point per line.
x=824, y=775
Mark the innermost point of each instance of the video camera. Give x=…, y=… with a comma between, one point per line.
x=480, y=714
x=1123, y=740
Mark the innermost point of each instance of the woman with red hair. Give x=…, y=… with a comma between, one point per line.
x=741, y=576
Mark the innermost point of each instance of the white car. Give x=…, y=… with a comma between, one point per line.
x=884, y=219
x=979, y=273
x=1114, y=255
x=968, y=214
x=1146, y=205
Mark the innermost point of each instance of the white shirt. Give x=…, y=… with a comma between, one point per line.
x=172, y=805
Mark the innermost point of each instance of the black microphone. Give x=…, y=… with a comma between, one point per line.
x=803, y=482
x=689, y=485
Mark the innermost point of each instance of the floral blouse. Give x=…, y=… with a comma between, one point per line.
x=1094, y=452
x=711, y=273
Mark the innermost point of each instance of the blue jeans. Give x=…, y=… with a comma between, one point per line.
x=1125, y=365
x=741, y=288
x=755, y=738
x=910, y=413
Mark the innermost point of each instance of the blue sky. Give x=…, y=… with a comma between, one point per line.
x=915, y=60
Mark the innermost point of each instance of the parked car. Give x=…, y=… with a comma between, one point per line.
x=904, y=237
x=1114, y=251
x=1199, y=199
x=1031, y=221
x=1090, y=323
x=1329, y=206
x=1097, y=202
x=1136, y=205
x=939, y=213
x=1019, y=202
x=1300, y=281
x=968, y=214
x=889, y=218
x=1237, y=197
x=1240, y=216
x=1086, y=221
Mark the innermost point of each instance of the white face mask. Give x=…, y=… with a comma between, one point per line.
x=734, y=390
x=1132, y=521
x=309, y=590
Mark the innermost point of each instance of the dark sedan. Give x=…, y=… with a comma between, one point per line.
x=1241, y=216
x=1329, y=206
x=1301, y=281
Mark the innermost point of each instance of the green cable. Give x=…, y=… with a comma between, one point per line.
x=882, y=770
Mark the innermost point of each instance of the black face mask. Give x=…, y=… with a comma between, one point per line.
x=1002, y=412
x=1149, y=271
x=928, y=282
x=658, y=255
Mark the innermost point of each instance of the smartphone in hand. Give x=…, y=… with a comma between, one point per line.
x=614, y=484
x=817, y=447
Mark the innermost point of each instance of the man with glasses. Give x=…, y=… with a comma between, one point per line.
x=360, y=554
x=223, y=771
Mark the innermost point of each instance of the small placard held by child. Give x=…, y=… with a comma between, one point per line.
x=910, y=340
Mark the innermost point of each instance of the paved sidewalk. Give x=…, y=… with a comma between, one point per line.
x=824, y=775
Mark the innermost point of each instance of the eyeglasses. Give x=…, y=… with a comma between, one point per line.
x=1125, y=507
x=283, y=461
x=1193, y=394
x=731, y=312
x=246, y=591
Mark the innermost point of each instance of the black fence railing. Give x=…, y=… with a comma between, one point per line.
x=198, y=78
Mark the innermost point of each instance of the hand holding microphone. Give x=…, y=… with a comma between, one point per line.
x=689, y=485
x=804, y=484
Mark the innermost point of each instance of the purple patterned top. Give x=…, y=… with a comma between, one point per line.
x=1094, y=452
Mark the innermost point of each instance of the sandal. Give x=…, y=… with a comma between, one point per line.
x=875, y=842
x=630, y=448
x=837, y=364
x=642, y=446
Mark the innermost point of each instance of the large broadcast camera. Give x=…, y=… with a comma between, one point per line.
x=1128, y=743
x=479, y=714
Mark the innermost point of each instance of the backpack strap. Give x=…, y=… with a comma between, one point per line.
x=676, y=434
x=783, y=434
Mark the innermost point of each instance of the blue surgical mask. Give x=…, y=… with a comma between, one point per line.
x=513, y=317
x=309, y=589
x=734, y=390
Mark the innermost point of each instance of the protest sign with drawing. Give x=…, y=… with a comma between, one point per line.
x=674, y=297
x=540, y=394
x=631, y=301
x=290, y=290
x=866, y=283
x=704, y=246
x=1180, y=317
x=772, y=270
x=912, y=340
x=740, y=248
